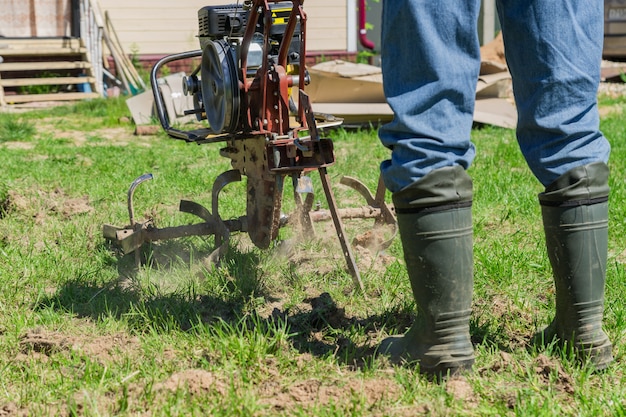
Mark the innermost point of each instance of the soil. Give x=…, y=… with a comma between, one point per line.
x=545, y=368
x=318, y=392
x=195, y=381
x=40, y=205
x=40, y=344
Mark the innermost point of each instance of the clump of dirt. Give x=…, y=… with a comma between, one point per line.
x=372, y=239
x=461, y=390
x=44, y=342
x=40, y=344
x=509, y=316
x=504, y=361
x=11, y=409
x=195, y=381
x=545, y=367
x=316, y=392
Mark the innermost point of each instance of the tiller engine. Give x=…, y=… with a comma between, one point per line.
x=249, y=87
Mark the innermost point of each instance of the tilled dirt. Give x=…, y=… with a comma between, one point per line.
x=40, y=343
x=274, y=391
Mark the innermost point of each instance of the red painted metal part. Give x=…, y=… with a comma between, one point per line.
x=266, y=96
x=362, y=26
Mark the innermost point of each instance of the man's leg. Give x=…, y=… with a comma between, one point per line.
x=430, y=61
x=554, y=50
x=436, y=234
x=575, y=219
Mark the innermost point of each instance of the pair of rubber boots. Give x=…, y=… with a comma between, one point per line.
x=435, y=222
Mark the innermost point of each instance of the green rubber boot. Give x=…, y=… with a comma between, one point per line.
x=435, y=222
x=575, y=219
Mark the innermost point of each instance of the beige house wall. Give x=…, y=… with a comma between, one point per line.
x=160, y=27
x=35, y=18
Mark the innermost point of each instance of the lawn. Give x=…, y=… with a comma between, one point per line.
x=280, y=331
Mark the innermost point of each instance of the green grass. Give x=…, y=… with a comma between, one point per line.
x=280, y=331
x=14, y=128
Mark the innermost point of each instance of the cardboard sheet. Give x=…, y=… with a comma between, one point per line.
x=491, y=111
x=176, y=102
x=354, y=92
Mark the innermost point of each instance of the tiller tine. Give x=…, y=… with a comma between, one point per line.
x=132, y=237
x=376, y=208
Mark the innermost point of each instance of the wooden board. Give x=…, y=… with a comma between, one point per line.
x=34, y=66
x=30, y=98
x=2, y=103
x=16, y=82
x=6, y=43
x=42, y=51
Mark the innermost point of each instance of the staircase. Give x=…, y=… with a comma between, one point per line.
x=45, y=69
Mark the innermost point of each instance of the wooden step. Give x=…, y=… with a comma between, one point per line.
x=17, y=52
x=45, y=62
x=46, y=43
x=30, y=98
x=35, y=66
x=17, y=82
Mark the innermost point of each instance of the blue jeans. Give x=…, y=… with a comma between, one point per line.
x=431, y=60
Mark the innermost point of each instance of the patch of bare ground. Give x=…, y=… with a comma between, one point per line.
x=17, y=145
x=195, y=382
x=510, y=317
x=40, y=344
x=504, y=361
x=39, y=204
x=611, y=110
x=284, y=396
x=461, y=390
x=116, y=136
x=545, y=367
x=45, y=208
x=13, y=410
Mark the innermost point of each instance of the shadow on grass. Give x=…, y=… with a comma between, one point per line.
x=145, y=306
x=317, y=326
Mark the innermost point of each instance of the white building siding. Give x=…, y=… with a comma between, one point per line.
x=158, y=27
